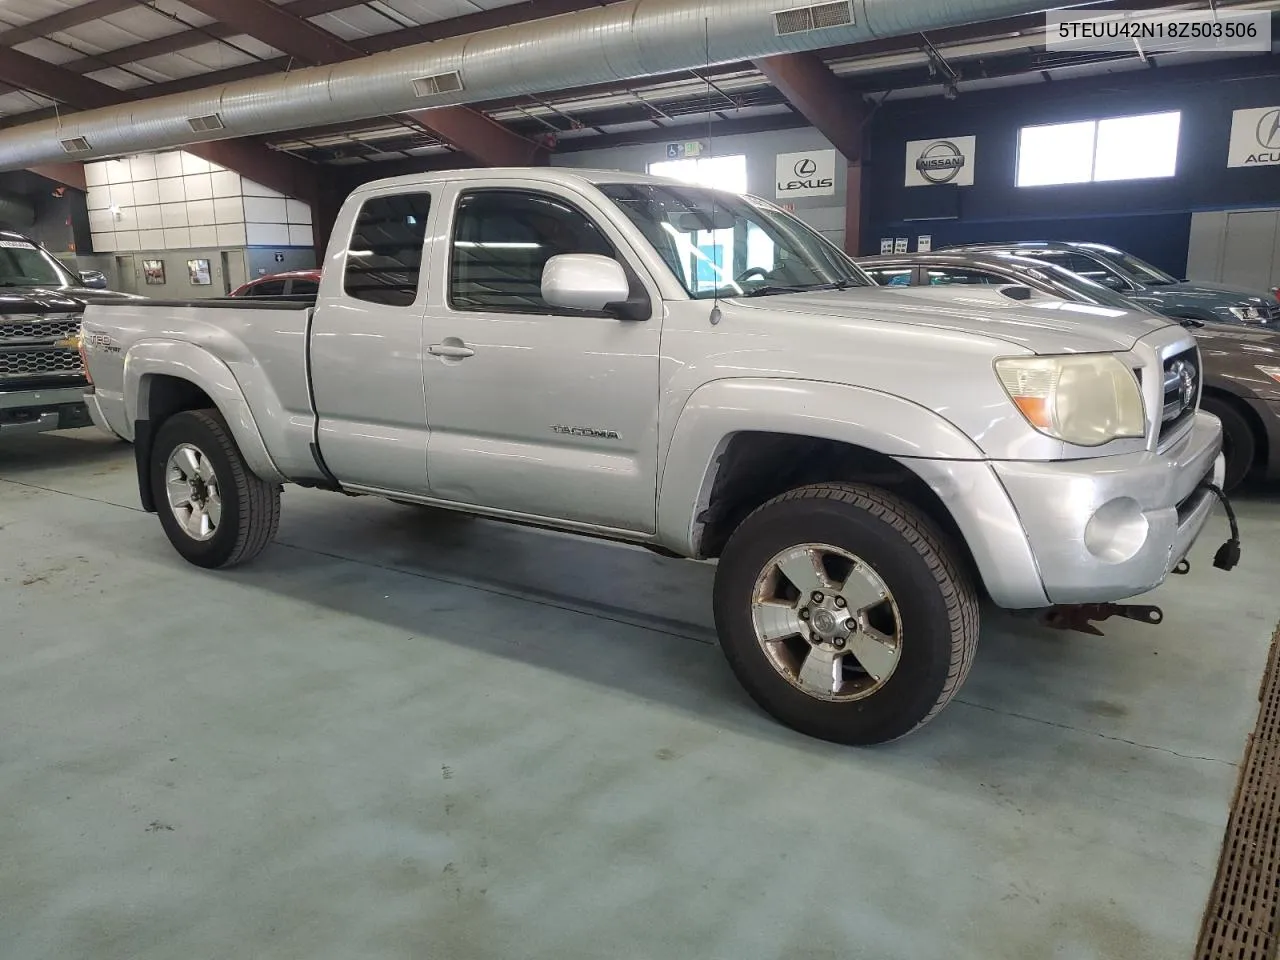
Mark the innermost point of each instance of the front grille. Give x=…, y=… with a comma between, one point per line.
x=36, y=362
x=1269, y=313
x=38, y=329
x=1181, y=391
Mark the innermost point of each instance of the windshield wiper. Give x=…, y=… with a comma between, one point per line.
x=774, y=288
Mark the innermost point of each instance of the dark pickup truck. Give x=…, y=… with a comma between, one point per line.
x=42, y=379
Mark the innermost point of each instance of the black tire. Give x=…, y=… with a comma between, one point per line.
x=250, y=513
x=937, y=609
x=1238, y=442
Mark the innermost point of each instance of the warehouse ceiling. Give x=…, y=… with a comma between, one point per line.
x=57, y=56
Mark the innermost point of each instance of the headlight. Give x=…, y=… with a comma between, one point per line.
x=1272, y=372
x=1249, y=314
x=1084, y=399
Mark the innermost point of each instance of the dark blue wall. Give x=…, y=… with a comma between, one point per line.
x=1151, y=218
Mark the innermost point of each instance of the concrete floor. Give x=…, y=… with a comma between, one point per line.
x=400, y=735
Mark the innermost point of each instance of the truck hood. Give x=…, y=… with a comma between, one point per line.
x=1209, y=296
x=29, y=300
x=1041, y=325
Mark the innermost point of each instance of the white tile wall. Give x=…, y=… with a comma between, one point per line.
x=174, y=215
x=267, y=234
x=147, y=191
x=265, y=210
x=226, y=183
x=199, y=212
x=204, y=236
x=297, y=212
x=168, y=164
x=177, y=200
x=228, y=210
x=231, y=235
x=199, y=186
x=171, y=190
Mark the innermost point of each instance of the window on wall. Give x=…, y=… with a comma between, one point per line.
x=723, y=173
x=1096, y=151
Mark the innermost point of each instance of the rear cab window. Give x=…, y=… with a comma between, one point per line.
x=384, y=255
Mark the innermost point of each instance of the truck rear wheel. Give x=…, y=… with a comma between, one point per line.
x=843, y=613
x=214, y=510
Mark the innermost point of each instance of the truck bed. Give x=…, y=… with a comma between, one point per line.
x=262, y=344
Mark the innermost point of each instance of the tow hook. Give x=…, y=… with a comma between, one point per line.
x=1078, y=616
x=1228, y=554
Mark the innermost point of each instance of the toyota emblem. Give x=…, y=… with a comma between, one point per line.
x=1186, y=374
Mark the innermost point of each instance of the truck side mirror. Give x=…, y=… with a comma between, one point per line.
x=93, y=279
x=584, y=281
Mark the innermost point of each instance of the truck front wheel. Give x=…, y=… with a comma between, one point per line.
x=843, y=613
x=214, y=510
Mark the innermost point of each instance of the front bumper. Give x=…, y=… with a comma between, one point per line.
x=1082, y=531
x=37, y=411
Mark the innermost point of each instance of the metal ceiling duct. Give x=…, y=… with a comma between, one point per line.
x=627, y=40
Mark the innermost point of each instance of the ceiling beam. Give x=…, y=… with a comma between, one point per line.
x=475, y=22
x=67, y=174
x=253, y=159
x=479, y=136
x=278, y=27
x=247, y=156
x=26, y=72
x=93, y=10
x=820, y=97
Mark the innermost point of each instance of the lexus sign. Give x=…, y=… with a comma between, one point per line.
x=808, y=174
x=1255, y=138
x=947, y=160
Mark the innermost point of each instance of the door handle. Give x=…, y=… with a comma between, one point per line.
x=455, y=350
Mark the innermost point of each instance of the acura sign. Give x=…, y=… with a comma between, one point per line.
x=1255, y=138
x=947, y=160
x=808, y=174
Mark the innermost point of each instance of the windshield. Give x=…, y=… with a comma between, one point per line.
x=724, y=245
x=1087, y=265
x=1138, y=270
x=23, y=264
x=1082, y=287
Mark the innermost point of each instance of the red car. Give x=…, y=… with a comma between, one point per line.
x=294, y=283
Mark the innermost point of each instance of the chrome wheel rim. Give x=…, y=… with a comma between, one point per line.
x=827, y=622
x=195, y=497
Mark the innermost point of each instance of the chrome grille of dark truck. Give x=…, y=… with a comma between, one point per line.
x=1181, y=379
x=38, y=329
x=37, y=351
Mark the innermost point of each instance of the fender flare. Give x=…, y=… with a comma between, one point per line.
x=717, y=411
x=148, y=359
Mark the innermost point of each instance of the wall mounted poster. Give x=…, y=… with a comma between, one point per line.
x=201, y=276
x=153, y=272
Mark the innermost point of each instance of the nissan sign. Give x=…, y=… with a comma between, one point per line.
x=946, y=160
x=808, y=174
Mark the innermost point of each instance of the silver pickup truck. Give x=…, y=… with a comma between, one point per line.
x=702, y=374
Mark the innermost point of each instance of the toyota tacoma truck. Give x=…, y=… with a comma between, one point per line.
x=702, y=374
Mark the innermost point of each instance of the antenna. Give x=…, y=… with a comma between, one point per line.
x=706, y=76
